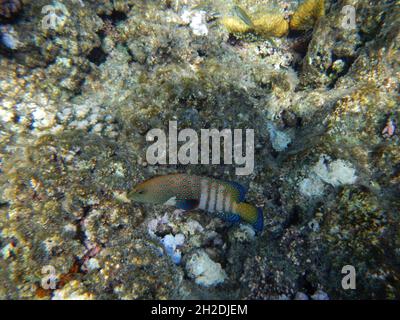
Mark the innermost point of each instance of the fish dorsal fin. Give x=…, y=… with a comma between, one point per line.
x=242, y=190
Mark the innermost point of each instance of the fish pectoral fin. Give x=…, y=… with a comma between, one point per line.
x=187, y=204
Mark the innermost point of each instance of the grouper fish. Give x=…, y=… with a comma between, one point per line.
x=221, y=198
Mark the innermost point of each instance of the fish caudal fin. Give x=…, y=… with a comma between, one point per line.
x=251, y=215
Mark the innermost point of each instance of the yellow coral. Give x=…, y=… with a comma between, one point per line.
x=269, y=24
x=235, y=25
x=307, y=15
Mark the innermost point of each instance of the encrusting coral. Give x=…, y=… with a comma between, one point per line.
x=235, y=25
x=307, y=15
x=263, y=24
x=269, y=24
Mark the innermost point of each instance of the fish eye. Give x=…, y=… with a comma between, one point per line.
x=140, y=192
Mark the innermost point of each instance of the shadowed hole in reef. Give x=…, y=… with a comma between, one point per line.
x=80, y=233
x=348, y=61
x=97, y=56
x=305, y=285
x=14, y=17
x=294, y=218
x=115, y=17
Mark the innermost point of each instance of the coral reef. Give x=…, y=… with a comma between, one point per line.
x=77, y=101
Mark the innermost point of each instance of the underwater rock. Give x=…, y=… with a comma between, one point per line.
x=336, y=172
x=9, y=7
x=72, y=291
x=334, y=44
x=301, y=296
x=312, y=186
x=244, y=233
x=197, y=22
x=279, y=139
x=320, y=295
x=203, y=270
x=9, y=38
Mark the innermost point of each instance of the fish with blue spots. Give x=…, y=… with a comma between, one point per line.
x=188, y=192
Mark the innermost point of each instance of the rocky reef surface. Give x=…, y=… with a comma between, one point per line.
x=77, y=100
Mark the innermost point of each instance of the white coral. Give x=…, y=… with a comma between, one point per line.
x=197, y=22
x=335, y=173
x=42, y=118
x=312, y=186
x=279, y=139
x=205, y=271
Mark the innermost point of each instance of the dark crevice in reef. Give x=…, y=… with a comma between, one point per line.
x=80, y=233
x=115, y=17
x=304, y=283
x=202, y=53
x=79, y=88
x=130, y=53
x=101, y=33
x=97, y=56
x=232, y=40
x=15, y=11
x=4, y=204
x=294, y=217
x=348, y=62
x=5, y=52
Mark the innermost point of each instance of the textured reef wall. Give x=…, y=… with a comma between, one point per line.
x=77, y=100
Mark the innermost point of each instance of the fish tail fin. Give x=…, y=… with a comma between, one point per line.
x=251, y=215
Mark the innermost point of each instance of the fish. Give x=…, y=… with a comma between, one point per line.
x=241, y=14
x=224, y=199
